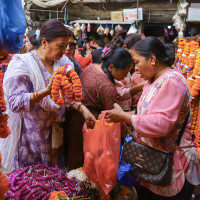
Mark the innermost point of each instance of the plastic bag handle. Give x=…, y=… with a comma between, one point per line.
x=103, y=113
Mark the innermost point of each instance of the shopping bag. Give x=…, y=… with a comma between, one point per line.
x=125, y=176
x=12, y=25
x=101, y=147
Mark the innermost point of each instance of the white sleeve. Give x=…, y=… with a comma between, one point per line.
x=65, y=60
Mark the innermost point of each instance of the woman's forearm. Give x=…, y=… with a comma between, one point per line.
x=126, y=118
x=136, y=89
x=38, y=96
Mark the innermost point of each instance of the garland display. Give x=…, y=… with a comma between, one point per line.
x=189, y=59
x=4, y=130
x=66, y=87
x=38, y=181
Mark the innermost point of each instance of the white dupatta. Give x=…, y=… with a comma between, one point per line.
x=8, y=146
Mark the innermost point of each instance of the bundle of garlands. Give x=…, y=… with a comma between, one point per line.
x=4, y=130
x=38, y=181
x=181, y=45
x=66, y=86
x=191, y=69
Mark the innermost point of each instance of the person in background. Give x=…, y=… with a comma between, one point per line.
x=107, y=38
x=99, y=94
x=32, y=40
x=162, y=39
x=96, y=55
x=82, y=55
x=70, y=49
x=136, y=78
x=125, y=88
x=31, y=110
x=162, y=110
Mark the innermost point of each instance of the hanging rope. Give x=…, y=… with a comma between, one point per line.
x=66, y=14
x=49, y=15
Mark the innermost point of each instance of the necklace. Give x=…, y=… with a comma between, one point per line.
x=159, y=74
x=64, y=87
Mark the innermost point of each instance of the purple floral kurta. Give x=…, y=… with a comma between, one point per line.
x=34, y=145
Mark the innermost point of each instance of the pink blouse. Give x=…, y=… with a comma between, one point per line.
x=123, y=89
x=162, y=109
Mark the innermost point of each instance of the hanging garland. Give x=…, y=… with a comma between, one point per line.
x=190, y=64
x=66, y=87
x=4, y=130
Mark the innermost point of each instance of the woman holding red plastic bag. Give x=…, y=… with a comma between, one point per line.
x=161, y=112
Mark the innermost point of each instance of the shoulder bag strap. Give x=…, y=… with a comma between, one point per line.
x=182, y=129
x=39, y=67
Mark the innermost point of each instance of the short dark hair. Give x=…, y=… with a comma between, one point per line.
x=52, y=29
x=131, y=39
x=152, y=45
x=101, y=42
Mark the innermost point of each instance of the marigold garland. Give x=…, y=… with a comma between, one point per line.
x=189, y=55
x=4, y=130
x=66, y=87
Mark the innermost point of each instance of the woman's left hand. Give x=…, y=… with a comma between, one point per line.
x=49, y=87
x=115, y=115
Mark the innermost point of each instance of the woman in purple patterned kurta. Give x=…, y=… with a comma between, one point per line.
x=31, y=113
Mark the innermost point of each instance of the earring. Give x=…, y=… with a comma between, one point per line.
x=43, y=47
x=153, y=63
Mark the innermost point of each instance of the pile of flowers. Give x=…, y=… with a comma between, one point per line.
x=4, y=130
x=38, y=181
x=66, y=87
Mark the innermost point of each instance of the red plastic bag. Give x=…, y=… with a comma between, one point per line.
x=101, y=147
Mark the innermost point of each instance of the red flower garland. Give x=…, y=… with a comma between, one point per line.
x=4, y=130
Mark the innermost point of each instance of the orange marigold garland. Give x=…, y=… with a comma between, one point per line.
x=4, y=130
x=195, y=88
x=66, y=87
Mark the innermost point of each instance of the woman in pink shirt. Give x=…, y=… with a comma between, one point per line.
x=162, y=109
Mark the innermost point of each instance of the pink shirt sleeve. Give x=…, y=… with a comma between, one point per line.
x=123, y=91
x=162, y=113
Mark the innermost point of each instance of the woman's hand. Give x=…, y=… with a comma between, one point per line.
x=89, y=118
x=49, y=87
x=114, y=115
x=118, y=115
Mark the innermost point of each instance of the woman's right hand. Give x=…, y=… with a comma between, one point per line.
x=89, y=118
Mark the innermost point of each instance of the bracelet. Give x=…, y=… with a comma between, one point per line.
x=36, y=97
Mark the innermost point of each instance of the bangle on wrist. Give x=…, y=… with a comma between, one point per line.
x=36, y=97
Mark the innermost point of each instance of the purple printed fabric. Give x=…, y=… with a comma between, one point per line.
x=34, y=144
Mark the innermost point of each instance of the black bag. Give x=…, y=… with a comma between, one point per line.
x=149, y=164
